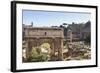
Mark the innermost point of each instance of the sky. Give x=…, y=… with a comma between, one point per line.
x=53, y=18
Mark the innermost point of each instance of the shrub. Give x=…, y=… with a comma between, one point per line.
x=87, y=40
x=37, y=55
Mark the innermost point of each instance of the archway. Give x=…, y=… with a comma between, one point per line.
x=35, y=36
x=55, y=47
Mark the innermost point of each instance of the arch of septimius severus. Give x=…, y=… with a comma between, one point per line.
x=35, y=36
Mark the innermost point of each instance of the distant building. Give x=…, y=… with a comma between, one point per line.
x=86, y=30
x=78, y=31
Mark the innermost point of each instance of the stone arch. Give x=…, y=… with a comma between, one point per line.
x=55, y=46
x=51, y=42
x=34, y=36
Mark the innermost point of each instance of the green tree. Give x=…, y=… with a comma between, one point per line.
x=88, y=39
x=37, y=55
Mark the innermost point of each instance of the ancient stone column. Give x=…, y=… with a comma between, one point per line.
x=60, y=50
x=52, y=50
x=71, y=36
x=29, y=47
x=37, y=42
